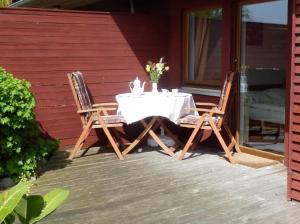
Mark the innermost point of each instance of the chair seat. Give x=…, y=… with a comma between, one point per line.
x=111, y=119
x=193, y=119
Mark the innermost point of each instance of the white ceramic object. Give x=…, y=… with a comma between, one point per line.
x=165, y=91
x=136, y=88
x=154, y=87
x=174, y=91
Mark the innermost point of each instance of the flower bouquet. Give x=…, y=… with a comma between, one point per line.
x=155, y=70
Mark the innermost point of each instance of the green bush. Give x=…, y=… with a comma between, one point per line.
x=22, y=145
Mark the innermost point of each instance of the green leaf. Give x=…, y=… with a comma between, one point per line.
x=10, y=219
x=1, y=199
x=53, y=200
x=29, y=208
x=11, y=198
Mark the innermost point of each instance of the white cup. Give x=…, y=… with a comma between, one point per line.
x=165, y=91
x=174, y=91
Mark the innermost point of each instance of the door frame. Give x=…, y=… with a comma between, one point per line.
x=235, y=65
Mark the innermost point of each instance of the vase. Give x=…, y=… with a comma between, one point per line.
x=154, y=87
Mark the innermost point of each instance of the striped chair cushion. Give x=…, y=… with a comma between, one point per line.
x=229, y=76
x=221, y=101
x=111, y=119
x=82, y=92
x=189, y=119
x=193, y=119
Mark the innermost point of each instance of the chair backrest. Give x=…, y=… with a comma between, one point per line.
x=226, y=91
x=80, y=93
x=225, y=94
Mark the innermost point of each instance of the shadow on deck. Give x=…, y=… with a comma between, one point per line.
x=150, y=187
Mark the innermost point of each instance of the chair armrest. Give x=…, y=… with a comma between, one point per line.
x=88, y=110
x=211, y=111
x=96, y=109
x=105, y=107
x=104, y=104
x=206, y=104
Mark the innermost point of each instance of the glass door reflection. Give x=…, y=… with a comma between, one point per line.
x=263, y=61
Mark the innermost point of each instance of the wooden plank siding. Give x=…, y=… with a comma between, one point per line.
x=294, y=132
x=42, y=46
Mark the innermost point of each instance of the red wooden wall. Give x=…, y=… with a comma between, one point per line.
x=294, y=132
x=43, y=46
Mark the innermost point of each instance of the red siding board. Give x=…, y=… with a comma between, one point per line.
x=295, y=195
x=297, y=77
x=297, y=68
x=294, y=146
x=42, y=46
x=295, y=184
x=295, y=166
x=296, y=155
x=296, y=88
x=294, y=129
x=296, y=118
x=295, y=176
x=297, y=99
x=295, y=137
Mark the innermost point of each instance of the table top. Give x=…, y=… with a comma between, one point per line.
x=168, y=105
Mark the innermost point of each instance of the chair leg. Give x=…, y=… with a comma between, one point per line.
x=113, y=143
x=80, y=141
x=221, y=140
x=118, y=137
x=109, y=136
x=197, y=139
x=190, y=140
x=233, y=141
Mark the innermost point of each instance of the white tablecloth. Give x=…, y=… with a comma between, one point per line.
x=168, y=105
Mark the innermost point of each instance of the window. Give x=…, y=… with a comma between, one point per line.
x=203, y=47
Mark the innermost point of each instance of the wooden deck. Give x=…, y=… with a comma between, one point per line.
x=150, y=187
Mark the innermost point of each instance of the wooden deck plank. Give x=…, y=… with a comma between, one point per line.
x=150, y=187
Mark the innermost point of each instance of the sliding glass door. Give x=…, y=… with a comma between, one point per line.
x=263, y=60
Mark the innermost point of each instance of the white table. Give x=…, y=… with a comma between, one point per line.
x=168, y=105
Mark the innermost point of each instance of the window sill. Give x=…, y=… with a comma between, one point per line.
x=201, y=91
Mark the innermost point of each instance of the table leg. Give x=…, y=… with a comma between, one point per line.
x=178, y=143
x=156, y=138
x=140, y=137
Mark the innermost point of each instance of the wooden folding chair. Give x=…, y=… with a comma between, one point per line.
x=212, y=117
x=93, y=115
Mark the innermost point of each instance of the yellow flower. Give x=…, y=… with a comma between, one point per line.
x=167, y=68
x=148, y=68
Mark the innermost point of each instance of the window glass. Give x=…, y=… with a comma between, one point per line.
x=203, y=48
